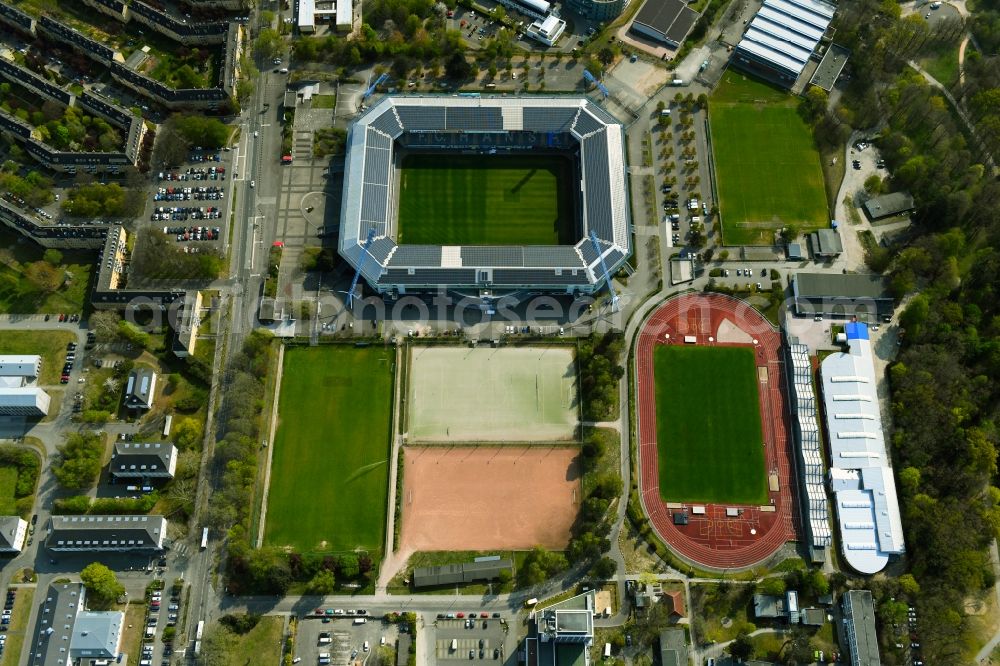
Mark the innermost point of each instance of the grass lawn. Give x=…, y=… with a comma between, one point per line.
x=476, y=200
x=943, y=65
x=19, y=296
x=329, y=475
x=324, y=101
x=261, y=645
x=708, y=426
x=767, y=165
x=50, y=345
x=8, y=480
x=17, y=631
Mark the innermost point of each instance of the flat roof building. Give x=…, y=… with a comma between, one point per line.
x=143, y=460
x=107, y=533
x=665, y=21
x=20, y=366
x=561, y=633
x=859, y=627
x=868, y=518
x=19, y=396
x=846, y=295
x=467, y=572
x=547, y=31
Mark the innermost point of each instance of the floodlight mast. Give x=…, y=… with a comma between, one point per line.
x=592, y=79
x=361, y=264
x=604, y=269
x=379, y=81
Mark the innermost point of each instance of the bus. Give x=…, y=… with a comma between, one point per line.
x=607, y=650
x=166, y=426
x=200, y=630
x=204, y=538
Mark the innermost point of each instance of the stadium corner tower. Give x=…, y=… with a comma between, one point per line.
x=484, y=131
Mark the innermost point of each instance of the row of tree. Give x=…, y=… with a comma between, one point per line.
x=599, y=360
x=944, y=384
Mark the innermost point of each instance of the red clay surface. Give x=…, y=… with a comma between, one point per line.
x=713, y=539
x=485, y=498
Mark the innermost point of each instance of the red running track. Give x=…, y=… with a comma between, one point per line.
x=714, y=539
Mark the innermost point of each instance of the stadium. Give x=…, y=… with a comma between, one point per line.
x=485, y=196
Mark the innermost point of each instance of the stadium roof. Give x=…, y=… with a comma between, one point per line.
x=806, y=429
x=369, y=183
x=784, y=33
x=867, y=508
x=834, y=285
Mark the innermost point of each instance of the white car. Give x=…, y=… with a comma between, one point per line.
x=256, y=133
x=253, y=183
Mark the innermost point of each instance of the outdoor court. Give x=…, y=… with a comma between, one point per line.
x=482, y=394
x=486, y=498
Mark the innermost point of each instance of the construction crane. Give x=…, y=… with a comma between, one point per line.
x=379, y=81
x=361, y=264
x=592, y=79
x=604, y=269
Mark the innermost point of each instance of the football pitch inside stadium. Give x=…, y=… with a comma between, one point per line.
x=486, y=200
x=708, y=425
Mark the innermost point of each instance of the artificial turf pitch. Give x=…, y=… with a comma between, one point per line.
x=767, y=165
x=330, y=470
x=708, y=426
x=486, y=200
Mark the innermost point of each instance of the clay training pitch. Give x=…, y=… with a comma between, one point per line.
x=484, y=498
x=519, y=394
x=708, y=427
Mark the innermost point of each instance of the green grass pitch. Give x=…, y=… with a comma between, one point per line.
x=330, y=471
x=491, y=200
x=767, y=165
x=708, y=427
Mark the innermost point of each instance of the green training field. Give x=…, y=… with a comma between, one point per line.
x=767, y=166
x=708, y=427
x=329, y=475
x=492, y=200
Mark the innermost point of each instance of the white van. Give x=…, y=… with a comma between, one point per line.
x=359, y=620
x=366, y=647
x=454, y=644
x=531, y=602
x=324, y=657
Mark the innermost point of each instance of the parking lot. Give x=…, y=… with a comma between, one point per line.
x=160, y=613
x=479, y=639
x=189, y=200
x=341, y=640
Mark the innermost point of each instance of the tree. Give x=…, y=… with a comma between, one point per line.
x=741, y=648
x=43, y=276
x=915, y=314
x=347, y=565
x=606, y=56
x=605, y=568
x=53, y=256
x=104, y=323
x=268, y=43
x=102, y=586
x=873, y=184
x=79, y=461
x=774, y=586
x=322, y=583
x=457, y=67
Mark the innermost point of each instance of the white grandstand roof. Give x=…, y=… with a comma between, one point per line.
x=368, y=201
x=807, y=431
x=784, y=33
x=867, y=507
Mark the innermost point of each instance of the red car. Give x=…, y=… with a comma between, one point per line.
x=484, y=614
x=459, y=614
